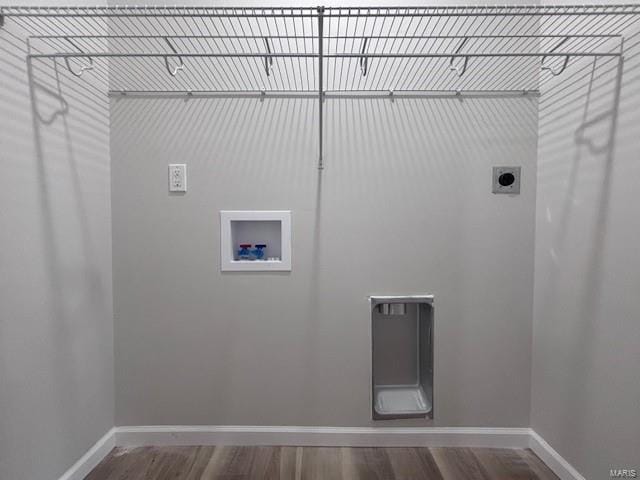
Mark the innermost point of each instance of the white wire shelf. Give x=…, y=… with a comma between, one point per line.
x=323, y=52
x=433, y=63
x=191, y=50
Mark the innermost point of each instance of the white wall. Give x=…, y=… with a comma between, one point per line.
x=586, y=349
x=56, y=321
x=403, y=206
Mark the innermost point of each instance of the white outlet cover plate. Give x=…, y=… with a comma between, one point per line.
x=177, y=177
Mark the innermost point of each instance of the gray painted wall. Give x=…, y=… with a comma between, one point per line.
x=56, y=327
x=404, y=206
x=586, y=349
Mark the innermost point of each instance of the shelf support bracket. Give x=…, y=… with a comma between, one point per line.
x=364, y=60
x=268, y=59
x=553, y=72
x=1, y=20
x=320, y=86
x=84, y=68
x=458, y=70
x=173, y=71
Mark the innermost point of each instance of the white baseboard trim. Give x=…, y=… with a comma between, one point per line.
x=323, y=436
x=170, y=435
x=552, y=458
x=93, y=457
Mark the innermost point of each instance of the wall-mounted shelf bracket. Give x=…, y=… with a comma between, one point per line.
x=173, y=71
x=84, y=68
x=268, y=59
x=364, y=60
x=459, y=70
x=553, y=72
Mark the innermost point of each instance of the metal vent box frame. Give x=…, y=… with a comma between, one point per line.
x=402, y=356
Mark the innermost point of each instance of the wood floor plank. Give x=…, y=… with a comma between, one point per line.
x=459, y=464
x=169, y=462
x=124, y=464
x=319, y=463
x=505, y=464
x=412, y=463
x=104, y=469
x=266, y=463
x=537, y=466
x=196, y=463
x=290, y=463
x=366, y=464
x=232, y=463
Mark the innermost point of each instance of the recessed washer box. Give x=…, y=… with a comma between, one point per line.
x=255, y=227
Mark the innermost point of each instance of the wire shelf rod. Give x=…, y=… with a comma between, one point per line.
x=235, y=51
x=5, y=12
x=384, y=78
x=64, y=55
x=496, y=11
x=431, y=63
x=262, y=12
x=620, y=47
x=327, y=9
x=558, y=26
x=313, y=95
x=455, y=55
x=269, y=79
x=338, y=37
x=211, y=70
x=502, y=67
x=30, y=48
x=411, y=74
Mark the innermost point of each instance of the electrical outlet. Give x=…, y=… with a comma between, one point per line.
x=177, y=177
x=506, y=180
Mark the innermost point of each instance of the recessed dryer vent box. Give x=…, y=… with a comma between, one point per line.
x=402, y=356
x=506, y=180
x=243, y=231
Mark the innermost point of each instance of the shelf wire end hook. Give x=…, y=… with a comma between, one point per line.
x=268, y=59
x=173, y=71
x=364, y=60
x=565, y=62
x=84, y=68
x=459, y=70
